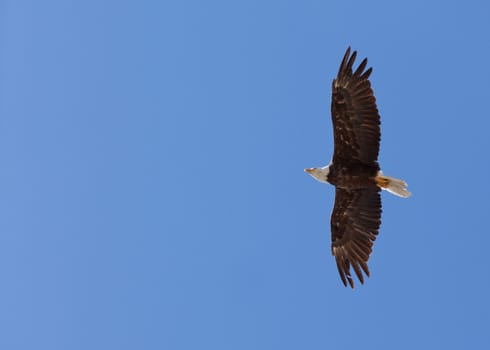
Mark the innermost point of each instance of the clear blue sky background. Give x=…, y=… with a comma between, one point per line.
x=152, y=193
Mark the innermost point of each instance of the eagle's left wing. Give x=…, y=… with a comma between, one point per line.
x=355, y=115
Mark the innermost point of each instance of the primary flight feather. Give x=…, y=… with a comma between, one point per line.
x=354, y=170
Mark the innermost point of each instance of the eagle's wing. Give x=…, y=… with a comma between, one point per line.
x=354, y=113
x=355, y=222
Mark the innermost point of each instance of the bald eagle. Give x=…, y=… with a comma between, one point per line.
x=354, y=170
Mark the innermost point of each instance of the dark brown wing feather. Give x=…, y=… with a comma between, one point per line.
x=355, y=222
x=354, y=114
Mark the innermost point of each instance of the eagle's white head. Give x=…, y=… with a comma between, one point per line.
x=319, y=173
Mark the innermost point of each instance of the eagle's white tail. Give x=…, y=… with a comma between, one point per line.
x=396, y=186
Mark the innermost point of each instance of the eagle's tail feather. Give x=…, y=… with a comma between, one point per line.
x=395, y=186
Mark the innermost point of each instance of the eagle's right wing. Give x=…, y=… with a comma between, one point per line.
x=355, y=222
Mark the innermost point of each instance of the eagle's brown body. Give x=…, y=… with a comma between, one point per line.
x=353, y=175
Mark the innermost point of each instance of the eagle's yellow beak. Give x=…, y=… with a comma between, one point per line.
x=309, y=170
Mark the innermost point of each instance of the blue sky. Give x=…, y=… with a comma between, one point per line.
x=152, y=192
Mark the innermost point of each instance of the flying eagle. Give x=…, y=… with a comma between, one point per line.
x=354, y=170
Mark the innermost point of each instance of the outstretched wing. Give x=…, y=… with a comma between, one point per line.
x=355, y=222
x=355, y=116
